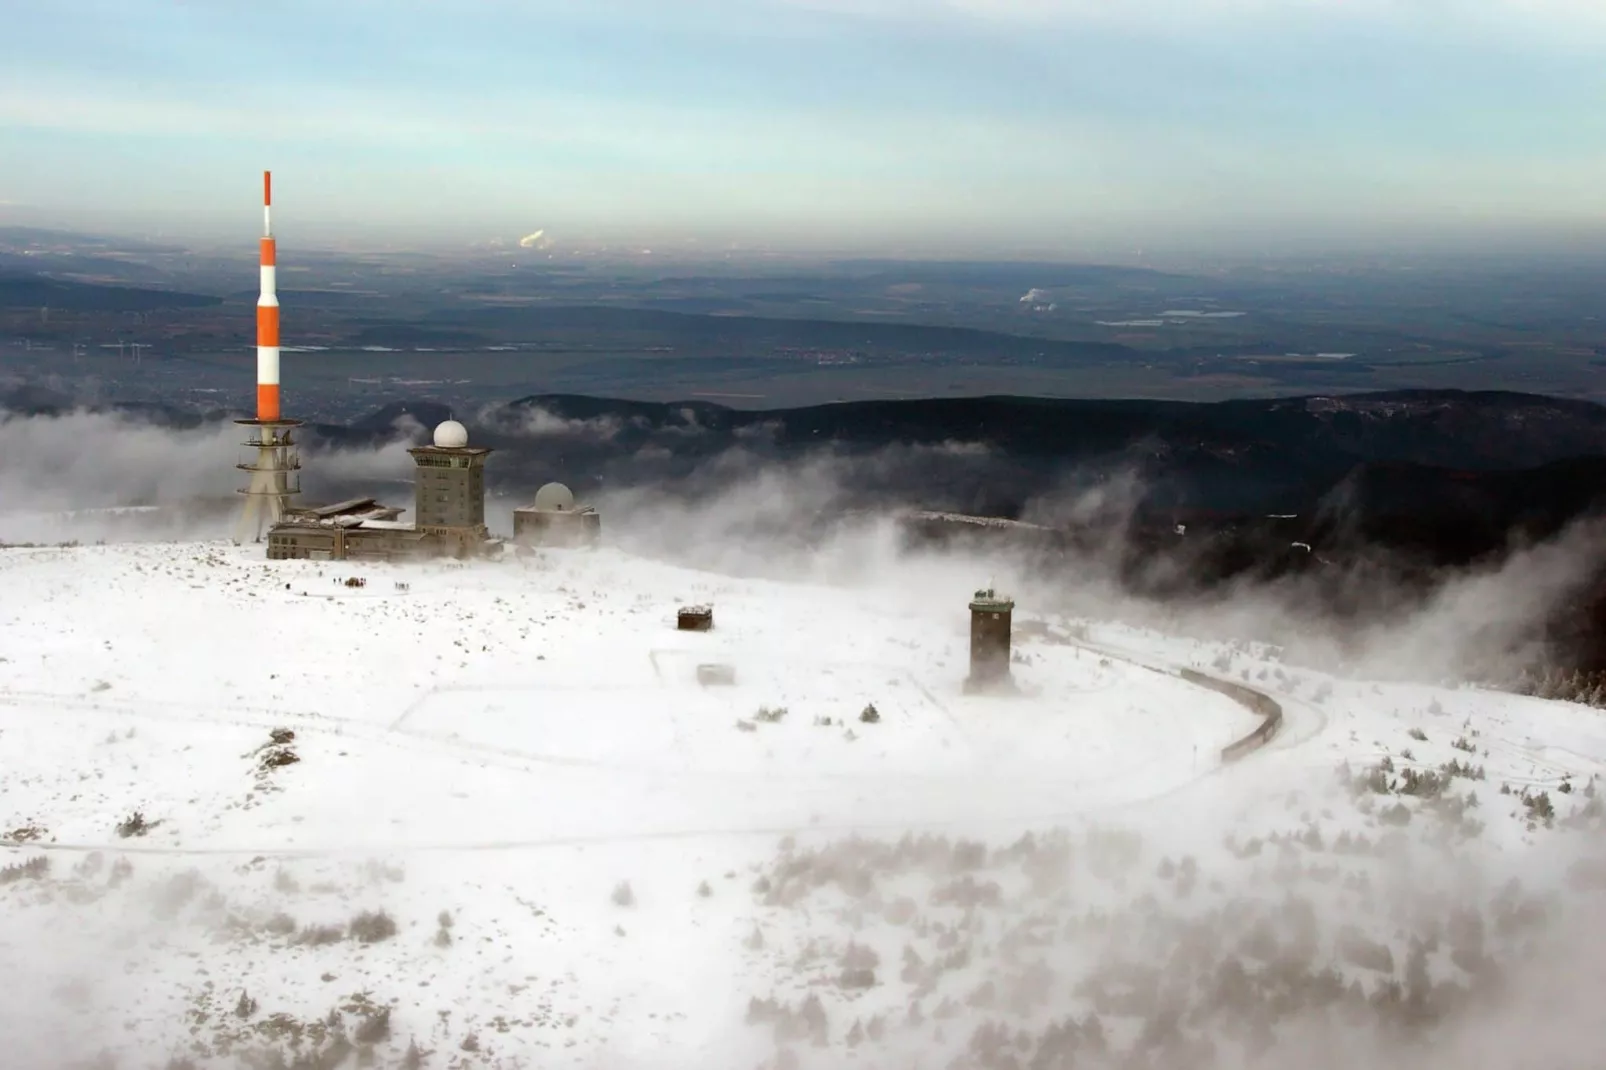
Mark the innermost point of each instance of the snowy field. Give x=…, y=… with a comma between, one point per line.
x=492, y=818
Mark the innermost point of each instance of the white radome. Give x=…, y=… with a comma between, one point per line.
x=554, y=498
x=451, y=435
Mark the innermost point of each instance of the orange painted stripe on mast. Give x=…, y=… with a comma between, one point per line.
x=268, y=402
x=267, y=325
x=268, y=315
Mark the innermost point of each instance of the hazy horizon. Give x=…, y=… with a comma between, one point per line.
x=998, y=128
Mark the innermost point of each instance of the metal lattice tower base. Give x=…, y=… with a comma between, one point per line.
x=275, y=477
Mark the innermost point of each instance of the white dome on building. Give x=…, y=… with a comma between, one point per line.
x=451, y=435
x=554, y=498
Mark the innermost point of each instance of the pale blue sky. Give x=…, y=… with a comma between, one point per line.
x=854, y=124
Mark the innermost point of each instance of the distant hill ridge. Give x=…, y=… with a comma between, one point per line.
x=1470, y=430
x=1484, y=430
x=19, y=290
x=1466, y=465
x=1255, y=488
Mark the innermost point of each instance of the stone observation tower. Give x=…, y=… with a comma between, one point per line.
x=450, y=490
x=990, y=624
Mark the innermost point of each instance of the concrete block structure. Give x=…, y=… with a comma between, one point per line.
x=554, y=519
x=716, y=675
x=449, y=498
x=275, y=476
x=359, y=529
x=449, y=490
x=991, y=623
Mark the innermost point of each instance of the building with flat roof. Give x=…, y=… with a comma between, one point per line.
x=449, y=490
x=449, y=504
x=554, y=519
x=991, y=617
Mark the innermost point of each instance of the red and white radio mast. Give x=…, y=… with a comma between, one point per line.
x=268, y=313
x=275, y=471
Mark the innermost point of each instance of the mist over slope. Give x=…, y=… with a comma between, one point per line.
x=491, y=815
x=1284, y=455
x=488, y=816
x=1331, y=505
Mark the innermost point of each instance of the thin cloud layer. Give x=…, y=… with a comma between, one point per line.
x=86, y=475
x=834, y=124
x=1124, y=909
x=1581, y=12
x=826, y=516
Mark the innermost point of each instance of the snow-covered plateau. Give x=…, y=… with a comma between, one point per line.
x=491, y=814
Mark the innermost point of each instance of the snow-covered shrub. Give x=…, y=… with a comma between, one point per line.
x=372, y=926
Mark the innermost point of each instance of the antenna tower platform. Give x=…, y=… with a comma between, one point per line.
x=275, y=476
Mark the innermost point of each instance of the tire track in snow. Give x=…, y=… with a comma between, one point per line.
x=1015, y=823
x=34, y=703
x=468, y=752
x=483, y=754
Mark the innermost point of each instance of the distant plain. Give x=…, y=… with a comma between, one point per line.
x=488, y=325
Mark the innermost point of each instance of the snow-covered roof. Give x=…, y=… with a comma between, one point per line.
x=964, y=518
x=350, y=505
